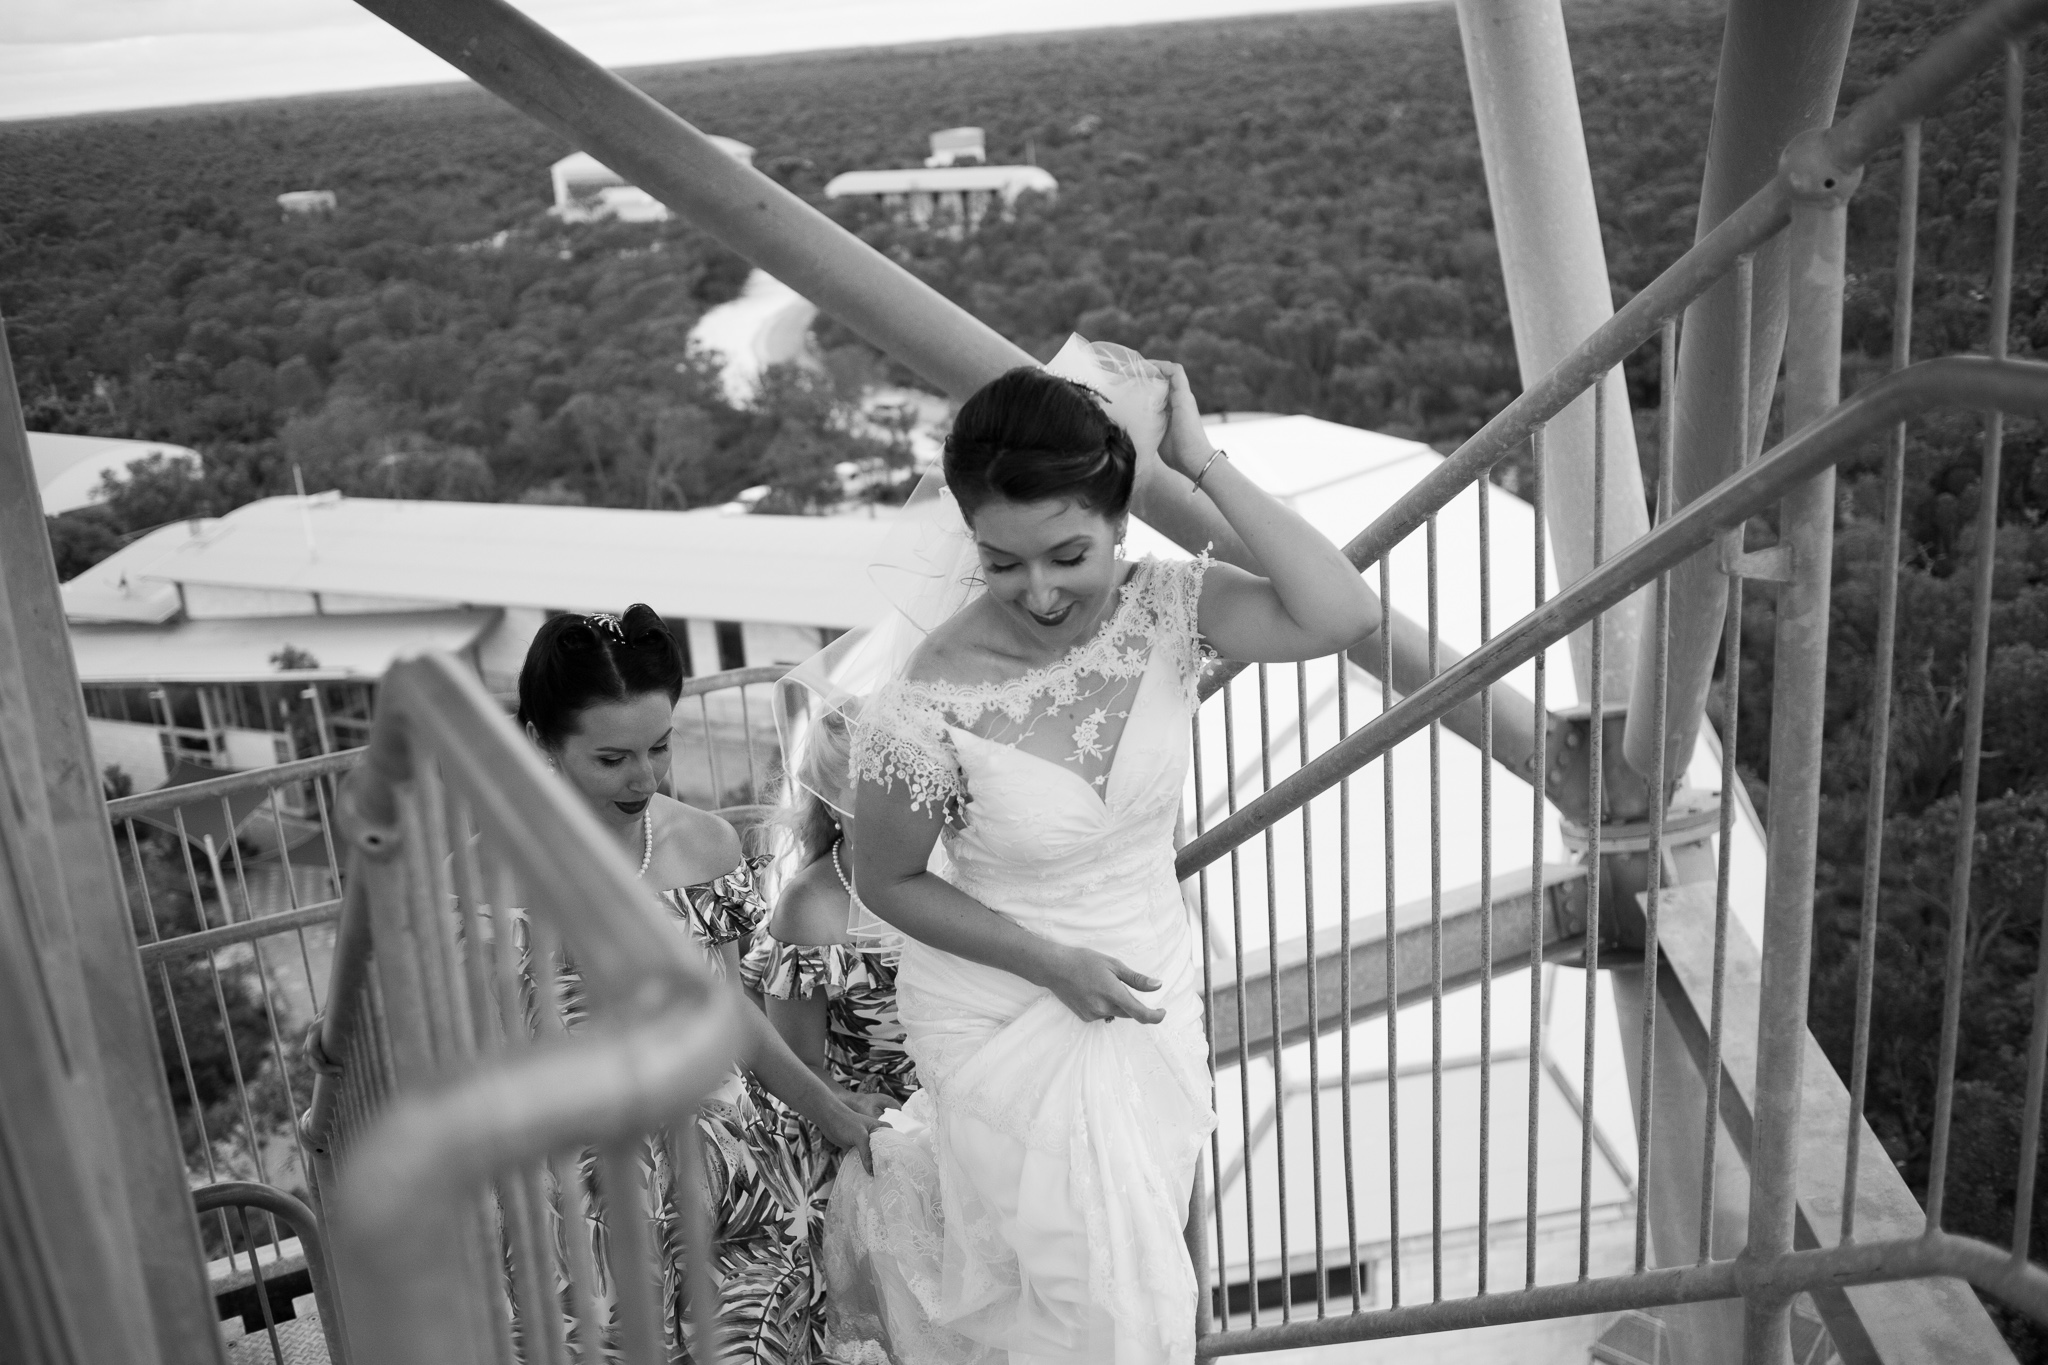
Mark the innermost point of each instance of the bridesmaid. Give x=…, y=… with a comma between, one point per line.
x=596, y=696
x=831, y=997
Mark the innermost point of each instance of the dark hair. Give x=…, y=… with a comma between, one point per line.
x=577, y=661
x=1030, y=436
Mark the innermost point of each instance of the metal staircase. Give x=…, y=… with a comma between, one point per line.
x=447, y=1111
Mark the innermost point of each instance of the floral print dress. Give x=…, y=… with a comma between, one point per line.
x=766, y=1174
x=863, y=1038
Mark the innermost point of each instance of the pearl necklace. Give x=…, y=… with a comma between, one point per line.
x=837, y=867
x=646, y=839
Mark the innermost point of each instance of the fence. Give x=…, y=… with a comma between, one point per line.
x=1706, y=929
x=235, y=885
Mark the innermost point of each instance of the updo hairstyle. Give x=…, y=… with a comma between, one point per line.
x=1030, y=436
x=578, y=661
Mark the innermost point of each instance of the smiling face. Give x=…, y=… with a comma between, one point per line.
x=617, y=755
x=1050, y=566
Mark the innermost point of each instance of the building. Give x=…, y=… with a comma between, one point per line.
x=953, y=199
x=69, y=468
x=586, y=189
x=952, y=146
x=299, y=203
x=258, y=637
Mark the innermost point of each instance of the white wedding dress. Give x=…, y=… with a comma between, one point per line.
x=1028, y=1204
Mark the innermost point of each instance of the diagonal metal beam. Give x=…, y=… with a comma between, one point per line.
x=1562, y=925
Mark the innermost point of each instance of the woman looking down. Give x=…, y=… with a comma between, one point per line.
x=1028, y=1204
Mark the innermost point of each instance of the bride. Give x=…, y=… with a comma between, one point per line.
x=1027, y=1205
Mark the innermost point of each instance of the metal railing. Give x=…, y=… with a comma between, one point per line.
x=1660, y=891
x=235, y=886
x=506, y=998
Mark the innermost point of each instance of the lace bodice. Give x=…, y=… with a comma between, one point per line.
x=1072, y=712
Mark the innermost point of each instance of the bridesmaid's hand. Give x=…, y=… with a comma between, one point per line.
x=848, y=1128
x=872, y=1104
x=1097, y=986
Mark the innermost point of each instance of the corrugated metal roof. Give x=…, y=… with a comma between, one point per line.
x=704, y=565
x=238, y=649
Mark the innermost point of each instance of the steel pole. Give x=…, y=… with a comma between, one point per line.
x=1541, y=190
x=1813, y=380
x=1781, y=71
x=543, y=77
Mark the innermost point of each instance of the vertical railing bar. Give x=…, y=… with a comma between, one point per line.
x=163, y=971
x=1881, y=669
x=1980, y=648
x=262, y=1286
x=629, y=1247
x=532, y=1270
x=291, y=893
x=1244, y=1059
x=327, y=833
x=1731, y=715
x=1596, y=815
x=277, y=1049
x=1436, y=937
x=711, y=768
x=1393, y=996
x=1273, y=1001
x=1315, y=1025
x=1344, y=984
x=220, y=1001
x=747, y=730
x=2030, y=1109
x=1539, y=778
x=1659, y=787
x=686, y=1157
x=1484, y=485
x=1203, y=1307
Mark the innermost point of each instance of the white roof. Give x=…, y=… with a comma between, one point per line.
x=704, y=565
x=69, y=468
x=118, y=587
x=942, y=180
x=238, y=649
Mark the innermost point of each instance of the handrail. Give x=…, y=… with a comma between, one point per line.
x=305, y=1225
x=1968, y=383
x=735, y=677
x=234, y=783
x=616, y=936
x=405, y=1187
x=1911, y=93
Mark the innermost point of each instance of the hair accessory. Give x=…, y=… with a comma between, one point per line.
x=1214, y=456
x=609, y=624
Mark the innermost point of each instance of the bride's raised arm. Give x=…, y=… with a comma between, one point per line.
x=1309, y=602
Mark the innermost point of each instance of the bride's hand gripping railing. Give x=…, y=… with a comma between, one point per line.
x=485, y=915
x=1251, y=804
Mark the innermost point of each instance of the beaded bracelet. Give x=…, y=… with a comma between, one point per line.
x=1213, y=458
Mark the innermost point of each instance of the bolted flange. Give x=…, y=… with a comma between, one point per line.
x=1813, y=175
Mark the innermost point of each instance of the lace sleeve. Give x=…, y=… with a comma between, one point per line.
x=901, y=736
x=1175, y=597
